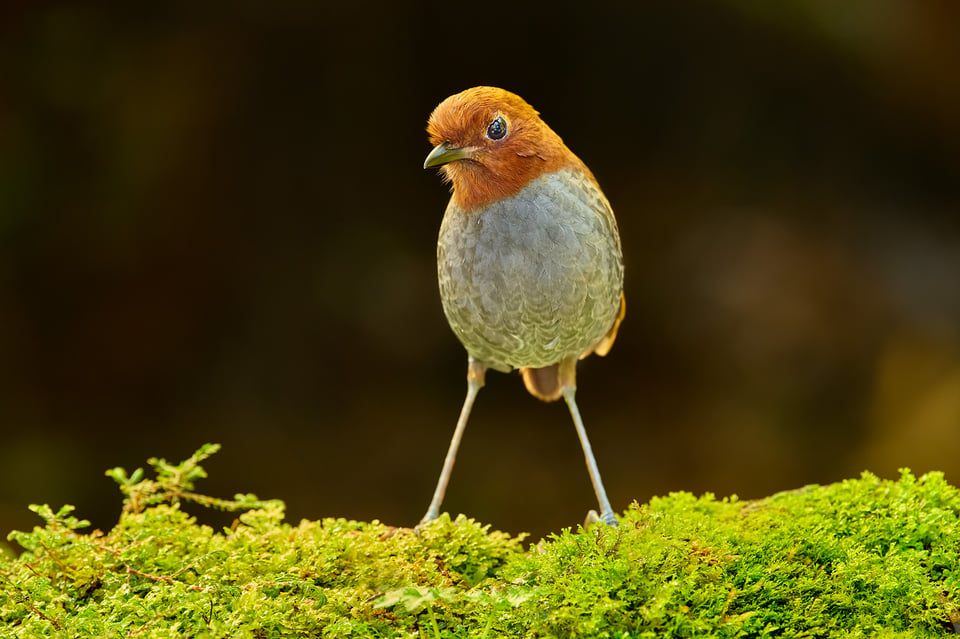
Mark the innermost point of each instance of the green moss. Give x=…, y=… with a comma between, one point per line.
x=861, y=558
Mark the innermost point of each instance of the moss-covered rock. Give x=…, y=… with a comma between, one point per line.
x=861, y=558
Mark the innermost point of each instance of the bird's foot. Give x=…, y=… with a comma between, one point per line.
x=607, y=518
x=426, y=521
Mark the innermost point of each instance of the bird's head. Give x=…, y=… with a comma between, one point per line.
x=489, y=143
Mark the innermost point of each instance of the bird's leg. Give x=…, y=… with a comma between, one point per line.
x=476, y=372
x=606, y=512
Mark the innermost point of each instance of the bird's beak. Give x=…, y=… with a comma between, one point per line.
x=444, y=153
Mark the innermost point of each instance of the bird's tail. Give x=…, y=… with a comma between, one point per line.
x=543, y=383
x=547, y=383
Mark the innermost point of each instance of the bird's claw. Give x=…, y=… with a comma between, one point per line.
x=607, y=518
x=428, y=519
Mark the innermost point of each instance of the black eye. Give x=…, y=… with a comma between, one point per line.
x=497, y=129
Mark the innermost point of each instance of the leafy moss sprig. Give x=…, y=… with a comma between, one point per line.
x=174, y=482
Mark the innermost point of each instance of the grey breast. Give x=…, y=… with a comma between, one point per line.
x=534, y=278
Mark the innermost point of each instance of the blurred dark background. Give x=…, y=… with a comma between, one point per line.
x=215, y=227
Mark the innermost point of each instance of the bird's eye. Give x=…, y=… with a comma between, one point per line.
x=497, y=129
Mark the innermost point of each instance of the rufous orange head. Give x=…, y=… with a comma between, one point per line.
x=489, y=143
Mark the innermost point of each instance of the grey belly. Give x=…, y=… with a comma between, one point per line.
x=533, y=279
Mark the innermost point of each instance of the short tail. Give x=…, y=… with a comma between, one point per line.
x=543, y=383
x=547, y=383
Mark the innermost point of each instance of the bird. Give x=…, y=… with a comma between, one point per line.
x=529, y=259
